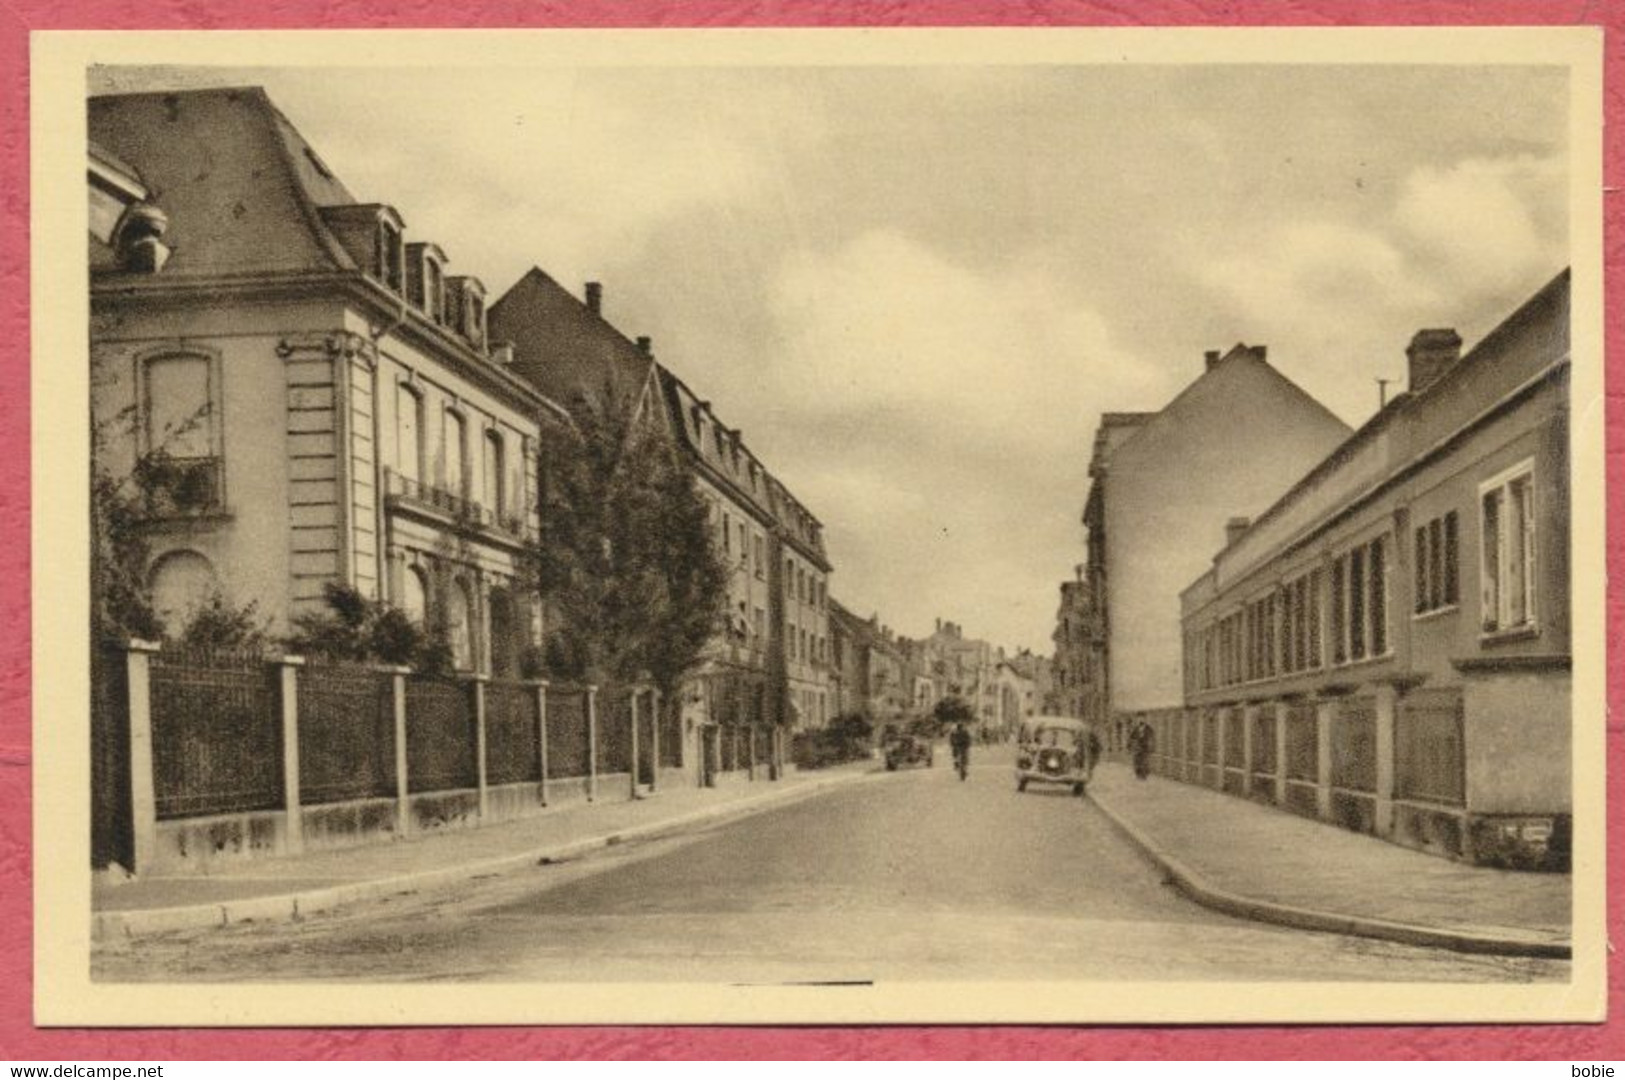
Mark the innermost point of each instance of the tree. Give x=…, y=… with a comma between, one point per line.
x=953, y=710
x=357, y=629
x=218, y=623
x=625, y=558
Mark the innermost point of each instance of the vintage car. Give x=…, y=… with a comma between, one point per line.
x=1056, y=750
x=908, y=748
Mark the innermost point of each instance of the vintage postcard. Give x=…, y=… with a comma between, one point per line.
x=818, y=526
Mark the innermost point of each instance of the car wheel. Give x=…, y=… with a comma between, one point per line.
x=891, y=766
x=1077, y=789
x=1021, y=784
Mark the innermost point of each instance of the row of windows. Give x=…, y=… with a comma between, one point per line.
x=455, y=472
x=1281, y=633
x=751, y=549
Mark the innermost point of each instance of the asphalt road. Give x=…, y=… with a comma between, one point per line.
x=907, y=876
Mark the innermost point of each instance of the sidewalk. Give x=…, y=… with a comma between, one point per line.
x=294, y=885
x=1266, y=864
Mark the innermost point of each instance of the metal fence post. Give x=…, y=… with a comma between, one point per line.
x=541, y=733
x=633, y=724
x=654, y=741
x=1283, y=715
x=143, y=798
x=592, y=743
x=479, y=744
x=294, y=826
x=1387, y=706
x=1323, y=765
x=403, y=794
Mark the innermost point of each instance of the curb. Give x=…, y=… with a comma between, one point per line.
x=138, y=922
x=1198, y=889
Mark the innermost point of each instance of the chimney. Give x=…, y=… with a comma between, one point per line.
x=595, y=297
x=1234, y=528
x=646, y=346
x=1431, y=353
x=1212, y=358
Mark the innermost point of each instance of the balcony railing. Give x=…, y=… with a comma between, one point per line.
x=401, y=489
x=182, y=487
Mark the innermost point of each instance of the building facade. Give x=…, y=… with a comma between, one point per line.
x=1387, y=646
x=1080, y=649
x=1161, y=488
x=767, y=669
x=321, y=388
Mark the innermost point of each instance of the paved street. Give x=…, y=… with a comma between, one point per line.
x=911, y=875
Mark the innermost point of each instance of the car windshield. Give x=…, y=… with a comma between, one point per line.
x=1055, y=737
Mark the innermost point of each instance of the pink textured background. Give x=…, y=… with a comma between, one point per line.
x=19, y=1039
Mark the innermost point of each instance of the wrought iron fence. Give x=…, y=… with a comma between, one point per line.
x=1429, y=756
x=1302, y=744
x=512, y=743
x=614, y=731
x=440, y=743
x=112, y=836
x=566, y=732
x=406, y=489
x=346, y=733
x=1354, y=745
x=1235, y=746
x=216, y=733
x=1263, y=763
x=671, y=735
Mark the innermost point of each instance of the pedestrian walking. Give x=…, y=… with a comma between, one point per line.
x=1140, y=741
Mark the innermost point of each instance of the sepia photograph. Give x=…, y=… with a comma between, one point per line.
x=765, y=527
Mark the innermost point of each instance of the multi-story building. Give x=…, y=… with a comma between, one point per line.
x=322, y=388
x=1080, y=648
x=1161, y=487
x=767, y=668
x=875, y=669
x=1387, y=645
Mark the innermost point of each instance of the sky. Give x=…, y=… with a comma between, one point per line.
x=915, y=289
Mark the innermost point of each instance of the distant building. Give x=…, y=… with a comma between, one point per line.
x=876, y=676
x=1387, y=645
x=1080, y=652
x=767, y=669
x=1162, y=485
x=329, y=402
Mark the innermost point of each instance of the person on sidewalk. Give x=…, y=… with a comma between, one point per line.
x=959, y=743
x=1140, y=741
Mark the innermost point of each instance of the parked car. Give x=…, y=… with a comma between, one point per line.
x=908, y=748
x=1056, y=750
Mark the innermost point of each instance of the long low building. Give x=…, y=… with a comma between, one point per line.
x=1387, y=647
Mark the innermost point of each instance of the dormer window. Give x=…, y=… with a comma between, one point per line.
x=389, y=260
x=372, y=234
x=465, y=308
x=425, y=280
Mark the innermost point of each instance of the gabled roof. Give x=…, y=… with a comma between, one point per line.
x=565, y=349
x=239, y=184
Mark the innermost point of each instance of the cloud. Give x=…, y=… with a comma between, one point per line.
x=1485, y=224
x=885, y=324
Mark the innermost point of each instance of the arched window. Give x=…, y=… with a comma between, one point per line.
x=180, y=582
x=495, y=480
x=415, y=595
x=460, y=624
x=455, y=478
x=408, y=432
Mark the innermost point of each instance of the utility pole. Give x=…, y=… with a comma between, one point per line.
x=1382, y=392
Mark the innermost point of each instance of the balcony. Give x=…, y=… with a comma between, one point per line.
x=404, y=492
x=183, y=487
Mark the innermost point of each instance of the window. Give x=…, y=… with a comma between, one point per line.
x=180, y=583
x=1300, y=623
x=493, y=474
x=460, y=625
x=389, y=255
x=434, y=289
x=1360, y=603
x=181, y=432
x=1437, y=584
x=408, y=428
x=454, y=477
x=761, y=625
x=761, y=559
x=1507, y=507
x=727, y=534
x=415, y=595
x=744, y=544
